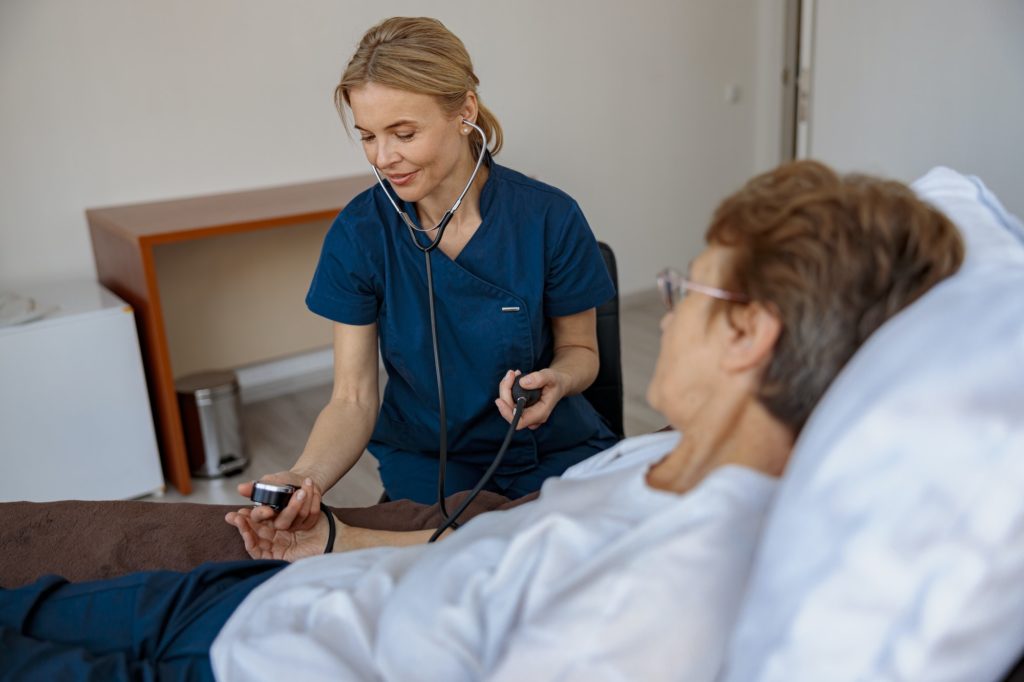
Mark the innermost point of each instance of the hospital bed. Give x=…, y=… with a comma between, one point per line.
x=932, y=404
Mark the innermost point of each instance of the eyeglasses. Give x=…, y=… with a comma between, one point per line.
x=673, y=287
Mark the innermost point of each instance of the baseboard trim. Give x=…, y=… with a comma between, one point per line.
x=274, y=378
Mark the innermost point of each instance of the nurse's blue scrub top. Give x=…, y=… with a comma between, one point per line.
x=532, y=258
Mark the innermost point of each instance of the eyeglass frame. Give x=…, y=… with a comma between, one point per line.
x=671, y=281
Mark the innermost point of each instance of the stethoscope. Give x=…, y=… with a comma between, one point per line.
x=523, y=397
x=447, y=217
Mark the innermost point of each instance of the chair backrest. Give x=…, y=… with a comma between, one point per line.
x=1016, y=674
x=606, y=394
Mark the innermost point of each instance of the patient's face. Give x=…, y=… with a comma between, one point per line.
x=688, y=374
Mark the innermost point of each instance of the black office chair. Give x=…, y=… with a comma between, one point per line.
x=606, y=394
x=1016, y=674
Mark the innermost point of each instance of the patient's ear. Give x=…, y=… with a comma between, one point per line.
x=753, y=329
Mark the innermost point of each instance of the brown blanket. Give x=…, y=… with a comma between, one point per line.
x=94, y=540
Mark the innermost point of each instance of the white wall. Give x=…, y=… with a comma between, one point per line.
x=769, y=60
x=899, y=87
x=620, y=104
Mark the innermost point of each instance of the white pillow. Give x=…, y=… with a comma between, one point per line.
x=895, y=549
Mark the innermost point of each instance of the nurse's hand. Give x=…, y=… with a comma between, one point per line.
x=264, y=541
x=302, y=511
x=552, y=389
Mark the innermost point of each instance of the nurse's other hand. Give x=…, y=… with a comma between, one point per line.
x=302, y=510
x=552, y=389
x=264, y=541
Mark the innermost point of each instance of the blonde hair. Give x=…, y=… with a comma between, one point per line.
x=418, y=54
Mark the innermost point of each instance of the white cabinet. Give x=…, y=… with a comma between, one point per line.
x=75, y=421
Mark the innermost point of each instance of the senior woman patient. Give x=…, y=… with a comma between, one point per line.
x=632, y=565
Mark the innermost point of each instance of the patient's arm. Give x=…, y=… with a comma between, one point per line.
x=263, y=541
x=392, y=524
x=353, y=537
x=99, y=540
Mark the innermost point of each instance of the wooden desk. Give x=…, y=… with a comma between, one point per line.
x=123, y=240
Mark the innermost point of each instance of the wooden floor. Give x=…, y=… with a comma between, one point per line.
x=276, y=429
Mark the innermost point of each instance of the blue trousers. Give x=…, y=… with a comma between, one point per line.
x=145, y=626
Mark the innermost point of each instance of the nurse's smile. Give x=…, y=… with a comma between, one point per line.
x=400, y=180
x=416, y=145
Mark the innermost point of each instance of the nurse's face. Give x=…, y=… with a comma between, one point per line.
x=688, y=374
x=413, y=143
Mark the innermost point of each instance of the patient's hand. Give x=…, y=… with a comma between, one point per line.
x=264, y=541
x=302, y=511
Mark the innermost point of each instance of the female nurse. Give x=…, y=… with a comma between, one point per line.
x=517, y=277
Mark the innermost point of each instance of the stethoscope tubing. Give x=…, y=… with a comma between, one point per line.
x=449, y=519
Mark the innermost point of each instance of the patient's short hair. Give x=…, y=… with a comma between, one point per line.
x=834, y=257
